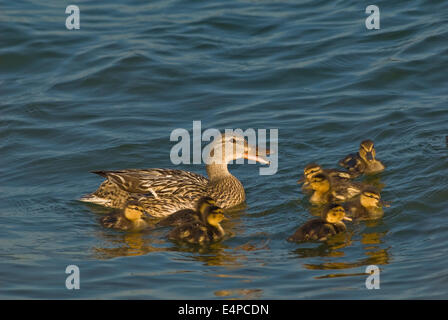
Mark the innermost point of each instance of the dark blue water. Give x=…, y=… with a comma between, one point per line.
x=108, y=96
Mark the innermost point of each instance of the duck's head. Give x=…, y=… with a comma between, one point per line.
x=367, y=150
x=370, y=197
x=215, y=216
x=320, y=183
x=229, y=147
x=335, y=213
x=133, y=211
x=310, y=170
x=204, y=204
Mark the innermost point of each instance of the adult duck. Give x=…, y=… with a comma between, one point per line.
x=162, y=192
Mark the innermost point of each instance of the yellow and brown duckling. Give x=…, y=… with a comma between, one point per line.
x=320, y=186
x=186, y=216
x=321, y=229
x=131, y=218
x=199, y=232
x=364, y=162
x=313, y=169
x=325, y=190
x=367, y=206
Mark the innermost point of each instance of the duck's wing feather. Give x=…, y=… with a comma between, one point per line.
x=353, y=164
x=349, y=161
x=158, y=182
x=178, y=218
x=345, y=191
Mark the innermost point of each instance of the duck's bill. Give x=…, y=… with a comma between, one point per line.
x=257, y=154
x=385, y=204
x=301, y=180
x=347, y=218
x=369, y=156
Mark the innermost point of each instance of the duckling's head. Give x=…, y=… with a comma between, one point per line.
x=133, y=211
x=335, y=213
x=204, y=203
x=232, y=146
x=370, y=197
x=311, y=170
x=215, y=216
x=320, y=183
x=367, y=150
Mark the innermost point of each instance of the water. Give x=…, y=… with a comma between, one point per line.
x=107, y=96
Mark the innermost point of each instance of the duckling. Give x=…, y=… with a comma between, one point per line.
x=326, y=190
x=312, y=169
x=131, y=218
x=364, y=161
x=367, y=206
x=322, y=228
x=320, y=185
x=187, y=216
x=199, y=232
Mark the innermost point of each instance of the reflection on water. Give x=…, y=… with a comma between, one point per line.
x=127, y=244
x=334, y=248
x=121, y=244
x=240, y=293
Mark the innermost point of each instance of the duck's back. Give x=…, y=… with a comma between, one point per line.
x=185, y=216
x=314, y=230
x=354, y=164
x=195, y=233
x=160, y=191
x=356, y=211
x=345, y=190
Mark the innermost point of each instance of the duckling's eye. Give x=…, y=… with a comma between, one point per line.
x=369, y=195
x=312, y=171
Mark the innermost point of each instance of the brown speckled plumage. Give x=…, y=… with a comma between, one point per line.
x=162, y=192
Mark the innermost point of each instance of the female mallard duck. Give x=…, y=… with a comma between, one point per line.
x=322, y=228
x=313, y=168
x=326, y=190
x=367, y=206
x=199, y=232
x=186, y=216
x=131, y=218
x=364, y=161
x=162, y=192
